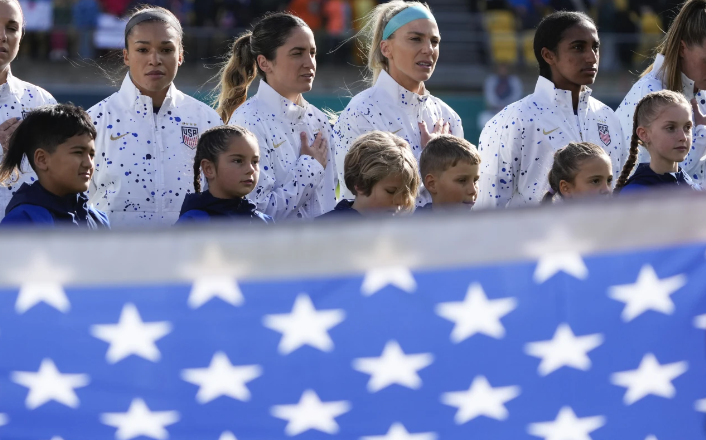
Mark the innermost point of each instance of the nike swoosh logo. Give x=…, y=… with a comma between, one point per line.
x=115, y=138
x=549, y=132
x=394, y=132
x=278, y=145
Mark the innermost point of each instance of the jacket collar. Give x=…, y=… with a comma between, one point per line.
x=659, y=72
x=279, y=105
x=131, y=94
x=402, y=97
x=205, y=201
x=546, y=91
x=72, y=208
x=12, y=84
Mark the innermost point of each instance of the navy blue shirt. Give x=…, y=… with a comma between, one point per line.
x=32, y=204
x=203, y=206
x=344, y=208
x=645, y=178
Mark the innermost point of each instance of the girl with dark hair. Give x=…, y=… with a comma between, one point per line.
x=517, y=146
x=58, y=143
x=401, y=41
x=298, y=176
x=17, y=98
x=229, y=158
x=579, y=170
x=148, y=130
x=662, y=125
x=678, y=66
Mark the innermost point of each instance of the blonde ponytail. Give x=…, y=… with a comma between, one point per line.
x=236, y=76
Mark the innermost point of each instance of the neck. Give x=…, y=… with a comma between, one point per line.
x=217, y=192
x=405, y=81
x=575, y=90
x=663, y=166
x=358, y=206
x=4, y=72
x=292, y=96
x=157, y=97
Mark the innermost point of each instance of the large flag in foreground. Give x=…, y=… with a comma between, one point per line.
x=568, y=327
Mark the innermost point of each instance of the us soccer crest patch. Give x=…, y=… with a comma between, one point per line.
x=190, y=136
x=604, y=134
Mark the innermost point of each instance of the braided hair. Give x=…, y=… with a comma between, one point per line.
x=649, y=107
x=211, y=144
x=567, y=164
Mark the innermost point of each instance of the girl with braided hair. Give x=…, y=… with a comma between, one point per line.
x=230, y=160
x=662, y=124
x=581, y=169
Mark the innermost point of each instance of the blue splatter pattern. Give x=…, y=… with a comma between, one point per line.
x=517, y=146
x=145, y=161
x=387, y=106
x=17, y=98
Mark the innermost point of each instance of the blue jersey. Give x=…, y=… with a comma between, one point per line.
x=203, y=206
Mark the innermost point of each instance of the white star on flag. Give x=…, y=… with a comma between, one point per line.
x=131, y=336
x=700, y=322
x=4, y=420
x=564, y=350
x=304, y=326
x=649, y=378
x=221, y=378
x=311, y=413
x=45, y=286
x=568, y=262
x=139, y=420
x=214, y=277
x=227, y=435
x=651, y=437
x=647, y=293
x=393, y=367
x=700, y=405
x=398, y=432
x=476, y=314
x=398, y=276
x=49, y=384
x=566, y=426
x=480, y=399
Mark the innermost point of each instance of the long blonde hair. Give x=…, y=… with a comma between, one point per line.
x=370, y=34
x=689, y=26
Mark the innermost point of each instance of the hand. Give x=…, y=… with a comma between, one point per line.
x=699, y=118
x=6, y=129
x=440, y=127
x=318, y=150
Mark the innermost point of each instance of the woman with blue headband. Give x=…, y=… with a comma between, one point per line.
x=402, y=42
x=148, y=130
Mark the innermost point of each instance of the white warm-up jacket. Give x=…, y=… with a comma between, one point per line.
x=517, y=146
x=291, y=185
x=145, y=161
x=387, y=106
x=653, y=82
x=17, y=98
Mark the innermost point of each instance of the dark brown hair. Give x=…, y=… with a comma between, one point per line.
x=212, y=143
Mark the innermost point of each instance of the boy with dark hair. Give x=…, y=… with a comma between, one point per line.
x=58, y=141
x=450, y=172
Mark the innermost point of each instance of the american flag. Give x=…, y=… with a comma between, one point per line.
x=571, y=347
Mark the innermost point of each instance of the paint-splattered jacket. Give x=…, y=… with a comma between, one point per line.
x=387, y=106
x=652, y=82
x=290, y=185
x=517, y=146
x=17, y=98
x=145, y=162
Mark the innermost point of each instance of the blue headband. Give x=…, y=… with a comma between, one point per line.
x=411, y=13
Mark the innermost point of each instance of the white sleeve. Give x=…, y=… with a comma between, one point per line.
x=497, y=148
x=279, y=196
x=693, y=164
x=349, y=126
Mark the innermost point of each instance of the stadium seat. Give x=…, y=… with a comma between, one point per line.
x=501, y=28
x=650, y=34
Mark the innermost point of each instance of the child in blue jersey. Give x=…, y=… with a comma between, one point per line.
x=382, y=173
x=450, y=168
x=229, y=158
x=580, y=169
x=58, y=142
x=662, y=124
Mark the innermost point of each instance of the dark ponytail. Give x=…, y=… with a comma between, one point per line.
x=649, y=107
x=567, y=164
x=211, y=144
x=236, y=75
x=550, y=33
x=43, y=128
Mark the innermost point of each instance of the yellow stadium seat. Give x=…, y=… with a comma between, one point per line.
x=503, y=47
x=499, y=21
x=528, y=48
x=650, y=35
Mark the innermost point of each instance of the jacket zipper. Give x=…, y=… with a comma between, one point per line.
x=159, y=198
